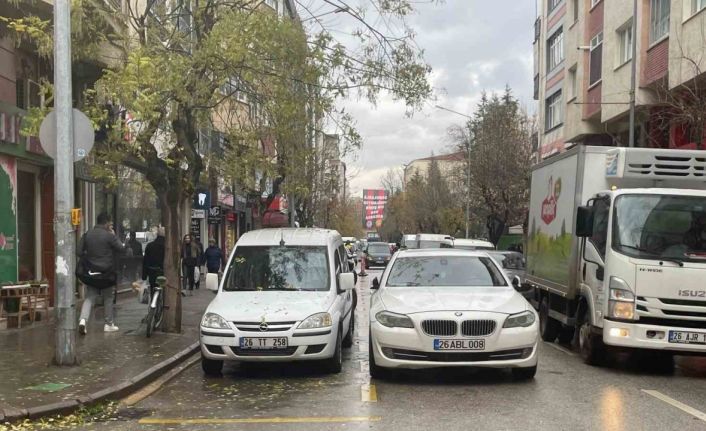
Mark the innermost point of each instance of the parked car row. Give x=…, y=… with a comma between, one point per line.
x=289, y=295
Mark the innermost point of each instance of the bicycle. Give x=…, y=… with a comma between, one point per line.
x=156, y=307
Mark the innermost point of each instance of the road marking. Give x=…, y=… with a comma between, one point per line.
x=674, y=403
x=275, y=420
x=153, y=387
x=561, y=349
x=368, y=393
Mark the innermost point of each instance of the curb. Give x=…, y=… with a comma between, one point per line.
x=115, y=391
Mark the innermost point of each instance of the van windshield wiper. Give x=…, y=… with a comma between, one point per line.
x=672, y=259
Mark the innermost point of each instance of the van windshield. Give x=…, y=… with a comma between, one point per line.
x=660, y=227
x=261, y=268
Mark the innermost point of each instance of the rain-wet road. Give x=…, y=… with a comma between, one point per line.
x=566, y=394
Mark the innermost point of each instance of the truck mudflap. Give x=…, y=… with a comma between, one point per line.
x=654, y=337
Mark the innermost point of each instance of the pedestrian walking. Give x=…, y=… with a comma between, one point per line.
x=190, y=258
x=135, y=255
x=153, y=261
x=213, y=257
x=97, y=270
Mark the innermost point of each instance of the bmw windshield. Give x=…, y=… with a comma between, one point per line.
x=440, y=271
x=660, y=227
x=289, y=268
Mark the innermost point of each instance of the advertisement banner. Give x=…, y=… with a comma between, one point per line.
x=374, y=201
x=8, y=219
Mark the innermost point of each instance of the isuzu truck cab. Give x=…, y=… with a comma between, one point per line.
x=617, y=250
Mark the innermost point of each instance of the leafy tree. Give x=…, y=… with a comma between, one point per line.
x=178, y=70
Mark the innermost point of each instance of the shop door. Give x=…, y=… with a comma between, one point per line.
x=27, y=226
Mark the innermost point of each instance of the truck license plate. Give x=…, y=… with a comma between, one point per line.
x=263, y=343
x=683, y=337
x=440, y=344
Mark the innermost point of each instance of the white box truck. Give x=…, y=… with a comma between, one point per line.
x=616, y=250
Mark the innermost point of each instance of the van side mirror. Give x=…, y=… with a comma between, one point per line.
x=346, y=281
x=584, y=222
x=376, y=284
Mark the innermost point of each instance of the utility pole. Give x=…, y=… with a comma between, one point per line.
x=468, y=171
x=64, y=188
x=633, y=76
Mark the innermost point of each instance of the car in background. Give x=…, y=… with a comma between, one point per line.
x=378, y=254
x=472, y=244
x=427, y=240
x=450, y=308
x=286, y=295
x=513, y=263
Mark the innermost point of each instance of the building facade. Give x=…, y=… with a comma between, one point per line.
x=451, y=167
x=583, y=54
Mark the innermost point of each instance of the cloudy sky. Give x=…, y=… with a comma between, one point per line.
x=472, y=45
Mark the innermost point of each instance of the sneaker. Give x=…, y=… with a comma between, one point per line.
x=82, y=327
x=110, y=328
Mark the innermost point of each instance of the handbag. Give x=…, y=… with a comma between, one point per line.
x=92, y=276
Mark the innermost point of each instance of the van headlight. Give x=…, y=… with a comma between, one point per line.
x=394, y=320
x=621, y=300
x=520, y=320
x=318, y=320
x=214, y=321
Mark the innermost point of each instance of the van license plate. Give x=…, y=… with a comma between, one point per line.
x=263, y=343
x=683, y=337
x=459, y=344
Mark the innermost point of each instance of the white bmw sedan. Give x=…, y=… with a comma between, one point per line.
x=450, y=308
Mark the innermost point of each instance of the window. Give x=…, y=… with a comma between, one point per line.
x=596, y=59
x=555, y=49
x=575, y=10
x=553, y=111
x=625, y=41
x=594, y=2
x=553, y=5
x=573, y=83
x=601, y=210
x=659, y=19
x=460, y=271
x=697, y=5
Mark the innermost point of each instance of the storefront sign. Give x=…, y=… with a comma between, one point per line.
x=197, y=213
x=8, y=219
x=195, y=229
x=214, y=215
x=202, y=199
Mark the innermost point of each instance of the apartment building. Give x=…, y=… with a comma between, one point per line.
x=583, y=54
x=451, y=167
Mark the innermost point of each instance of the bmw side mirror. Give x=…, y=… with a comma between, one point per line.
x=516, y=283
x=376, y=284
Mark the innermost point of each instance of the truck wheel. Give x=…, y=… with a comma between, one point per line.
x=590, y=345
x=548, y=327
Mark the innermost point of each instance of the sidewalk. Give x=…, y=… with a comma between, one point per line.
x=28, y=380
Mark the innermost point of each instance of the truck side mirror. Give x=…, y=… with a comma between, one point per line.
x=584, y=222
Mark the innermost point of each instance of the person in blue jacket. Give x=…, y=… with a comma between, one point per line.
x=213, y=257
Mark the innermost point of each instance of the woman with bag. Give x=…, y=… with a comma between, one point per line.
x=190, y=259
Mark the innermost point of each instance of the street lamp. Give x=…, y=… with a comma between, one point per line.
x=468, y=170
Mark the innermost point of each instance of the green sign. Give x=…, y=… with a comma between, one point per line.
x=8, y=219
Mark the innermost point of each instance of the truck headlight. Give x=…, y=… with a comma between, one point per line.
x=318, y=320
x=394, y=320
x=524, y=319
x=621, y=300
x=214, y=321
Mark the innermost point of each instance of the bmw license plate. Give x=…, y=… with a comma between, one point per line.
x=263, y=343
x=440, y=344
x=684, y=337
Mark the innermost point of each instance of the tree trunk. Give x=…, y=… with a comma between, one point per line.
x=171, y=205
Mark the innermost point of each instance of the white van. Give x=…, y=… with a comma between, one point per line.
x=286, y=295
x=473, y=244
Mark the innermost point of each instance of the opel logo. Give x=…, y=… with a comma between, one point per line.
x=458, y=314
x=264, y=326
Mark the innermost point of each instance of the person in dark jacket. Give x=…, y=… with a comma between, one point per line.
x=190, y=259
x=153, y=261
x=99, y=246
x=214, y=257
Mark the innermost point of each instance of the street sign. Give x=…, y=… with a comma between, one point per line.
x=84, y=135
x=214, y=215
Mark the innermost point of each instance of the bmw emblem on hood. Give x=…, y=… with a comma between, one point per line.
x=458, y=314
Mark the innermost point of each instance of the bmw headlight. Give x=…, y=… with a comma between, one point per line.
x=520, y=320
x=214, y=321
x=318, y=320
x=394, y=320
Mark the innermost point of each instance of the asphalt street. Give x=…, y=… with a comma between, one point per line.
x=566, y=394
